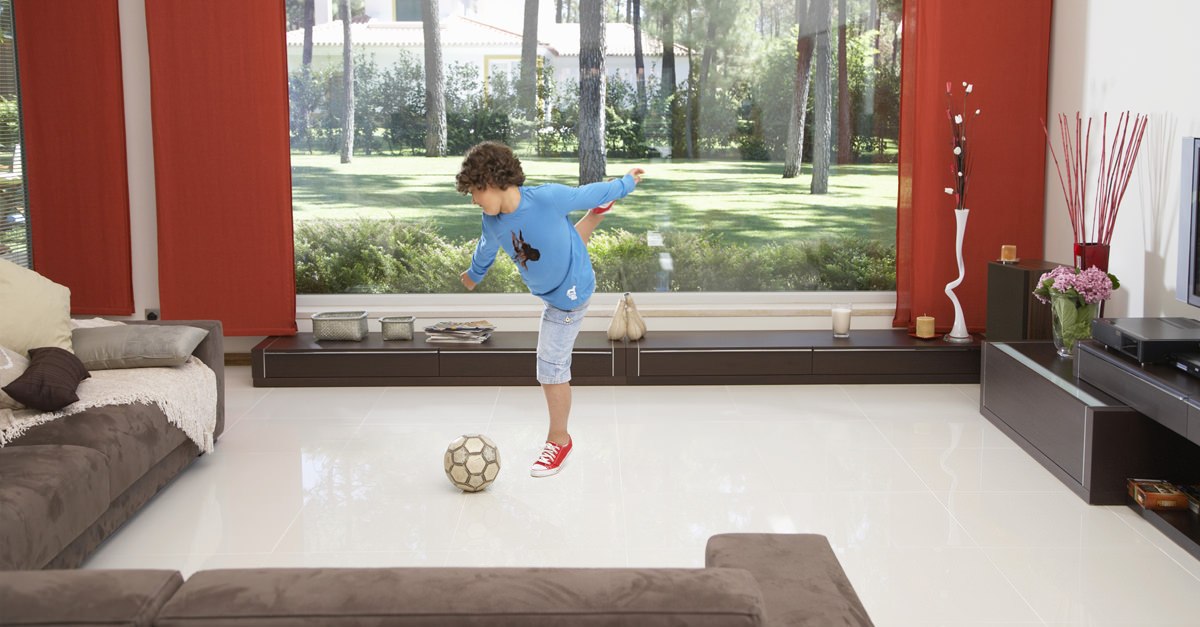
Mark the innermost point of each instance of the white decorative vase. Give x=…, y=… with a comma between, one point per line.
x=958, y=333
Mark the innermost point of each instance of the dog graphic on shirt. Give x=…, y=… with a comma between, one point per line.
x=522, y=251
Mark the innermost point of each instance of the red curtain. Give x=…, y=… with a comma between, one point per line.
x=73, y=110
x=1003, y=49
x=219, y=102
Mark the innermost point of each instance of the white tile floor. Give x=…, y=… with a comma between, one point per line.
x=937, y=517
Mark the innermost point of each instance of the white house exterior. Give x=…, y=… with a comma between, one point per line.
x=467, y=40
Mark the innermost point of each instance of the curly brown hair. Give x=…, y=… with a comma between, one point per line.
x=489, y=163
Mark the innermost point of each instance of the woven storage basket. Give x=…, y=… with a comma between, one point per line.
x=340, y=325
x=397, y=327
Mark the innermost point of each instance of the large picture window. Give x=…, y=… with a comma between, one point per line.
x=14, y=226
x=768, y=135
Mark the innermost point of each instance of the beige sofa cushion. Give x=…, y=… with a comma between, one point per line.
x=135, y=346
x=34, y=311
x=12, y=365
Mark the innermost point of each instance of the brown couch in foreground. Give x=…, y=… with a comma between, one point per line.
x=67, y=485
x=748, y=579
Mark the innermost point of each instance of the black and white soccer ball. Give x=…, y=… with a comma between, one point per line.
x=472, y=462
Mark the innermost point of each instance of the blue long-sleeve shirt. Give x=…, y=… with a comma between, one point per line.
x=542, y=240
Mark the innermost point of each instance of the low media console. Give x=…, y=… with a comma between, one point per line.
x=660, y=358
x=1149, y=340
x=1098, y=419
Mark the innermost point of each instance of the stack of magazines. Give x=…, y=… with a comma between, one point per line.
x=475, y=332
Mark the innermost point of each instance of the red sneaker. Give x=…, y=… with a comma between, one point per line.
x=551, y=460
x=602, y=208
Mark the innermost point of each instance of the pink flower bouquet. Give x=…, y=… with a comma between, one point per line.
x=1081, y=287
x=1074, y=296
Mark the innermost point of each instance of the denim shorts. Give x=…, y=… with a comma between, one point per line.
x=556, y=340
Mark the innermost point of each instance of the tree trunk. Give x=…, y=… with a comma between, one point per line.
x=845, y=125
x=872, y=85
x=528, y=88
x=876, y=21
x=558, y=11
x=823, y=101
x=639, y=62
x=689, y=133
x=347, y=84
x=709, y=46
x=435, y=82
x=804, y=58
x=308, y=19
x=592, y=164
x=702, y=92
x=672, y=83
x=306, y=71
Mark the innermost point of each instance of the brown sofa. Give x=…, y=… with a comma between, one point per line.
x=68, y=484
x=748, y=579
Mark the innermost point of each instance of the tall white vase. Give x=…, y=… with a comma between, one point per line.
x=958, y=333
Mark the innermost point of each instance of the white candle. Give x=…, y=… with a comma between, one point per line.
x=841, y=319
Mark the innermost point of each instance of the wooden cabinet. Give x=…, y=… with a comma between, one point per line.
x=673, y=357
x=300, y=360
x=757, y=357
x=505, y=359
x=661, y=358
x=1097, y=420
x=1076, y=431
x=1132, y=384
x=1013, y=312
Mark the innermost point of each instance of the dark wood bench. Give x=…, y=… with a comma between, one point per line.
x=660, y=358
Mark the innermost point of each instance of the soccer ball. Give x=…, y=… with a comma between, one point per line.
x=472, y=462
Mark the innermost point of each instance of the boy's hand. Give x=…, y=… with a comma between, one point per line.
x=637, y=174
x=466, y=280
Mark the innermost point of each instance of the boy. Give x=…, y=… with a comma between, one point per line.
x=531, y=225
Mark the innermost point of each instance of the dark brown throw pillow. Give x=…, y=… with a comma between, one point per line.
x=50, y=382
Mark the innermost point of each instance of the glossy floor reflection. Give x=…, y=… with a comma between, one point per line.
x=937, y=517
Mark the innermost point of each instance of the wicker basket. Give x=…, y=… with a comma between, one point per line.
x=340, y=325
x=397, y=327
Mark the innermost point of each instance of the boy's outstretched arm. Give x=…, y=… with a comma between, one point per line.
x=466, y=280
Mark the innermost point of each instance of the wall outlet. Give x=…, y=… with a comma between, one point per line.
x=152, y=314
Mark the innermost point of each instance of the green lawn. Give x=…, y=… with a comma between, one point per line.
x=748, y=202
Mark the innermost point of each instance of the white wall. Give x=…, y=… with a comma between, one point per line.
x=1112, y=56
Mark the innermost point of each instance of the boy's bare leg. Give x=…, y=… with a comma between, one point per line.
x=587, y=224
x=558, y=401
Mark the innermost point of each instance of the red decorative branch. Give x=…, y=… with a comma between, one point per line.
x=1116, y=166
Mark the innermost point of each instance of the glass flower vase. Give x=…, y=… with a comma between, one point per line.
x=1071, y=322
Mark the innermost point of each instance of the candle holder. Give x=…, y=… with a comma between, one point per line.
x=841, y=319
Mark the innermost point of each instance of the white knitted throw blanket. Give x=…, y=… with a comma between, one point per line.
x=187, y=394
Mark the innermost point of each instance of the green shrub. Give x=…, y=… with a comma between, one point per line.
x=386, y=257
x=623, y=262
x=391, y=257
x=854, y=263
